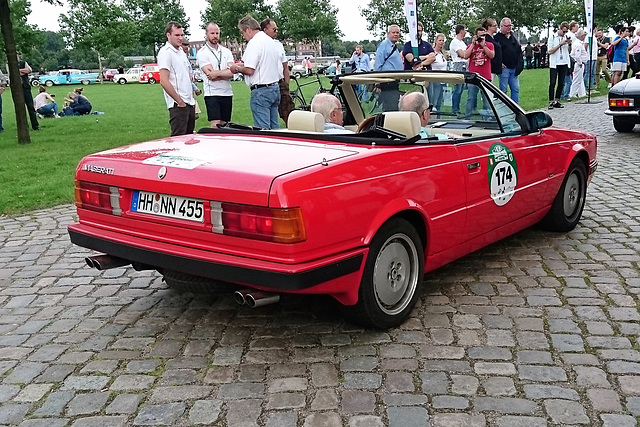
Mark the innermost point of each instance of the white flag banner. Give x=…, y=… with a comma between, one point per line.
x=412, y=22
x=588, y=8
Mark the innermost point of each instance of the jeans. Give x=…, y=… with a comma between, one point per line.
x=436, y=95
x=590, y=73
x=455, y=98
x=472, y=102
x=509, y=78
x=557, y=74
x=49, y=110
x=567, y=86
x=264, y=107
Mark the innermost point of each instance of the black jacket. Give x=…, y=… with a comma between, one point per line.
x=511, y=51
x=496, y=61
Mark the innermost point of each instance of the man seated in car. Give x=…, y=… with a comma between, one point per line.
x=416, y=101
x=331, y=109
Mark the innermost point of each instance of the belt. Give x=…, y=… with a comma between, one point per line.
x=252, y=87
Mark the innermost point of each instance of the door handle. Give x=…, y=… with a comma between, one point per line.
x=472, y=166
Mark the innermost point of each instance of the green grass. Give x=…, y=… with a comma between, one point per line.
x=40, y=174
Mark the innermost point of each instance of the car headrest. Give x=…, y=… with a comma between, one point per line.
x=305, y=121
x=404, y=122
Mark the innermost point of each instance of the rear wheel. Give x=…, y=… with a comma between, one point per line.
x=299, y=103
x=392, y=275
x=623, y=125
x=182, y=282
x=35, y=82
x=152, y=81
x=567, y=207
x=122, y=81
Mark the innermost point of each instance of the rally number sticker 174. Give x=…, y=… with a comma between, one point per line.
x=503, y=174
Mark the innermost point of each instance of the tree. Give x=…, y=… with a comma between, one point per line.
x=227, y=13
x=16, y=12
x=98, y=25
x=308, y=20
x=151, y=18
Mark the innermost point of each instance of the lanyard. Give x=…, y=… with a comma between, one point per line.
x=219, y=59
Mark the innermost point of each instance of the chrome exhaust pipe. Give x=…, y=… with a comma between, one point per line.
x=260, y=298
x=105, y=262
x=240, y=296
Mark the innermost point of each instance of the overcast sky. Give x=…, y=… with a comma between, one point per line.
x=352, y=24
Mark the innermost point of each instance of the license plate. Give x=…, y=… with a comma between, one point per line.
x=167, y=206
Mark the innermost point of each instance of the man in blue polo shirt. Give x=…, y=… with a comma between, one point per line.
x=388, y=58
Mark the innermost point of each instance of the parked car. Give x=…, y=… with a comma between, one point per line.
x=109, y=74
x=150, y=74
x=34, y=79
x=197, y=75
x=131, y=75
x=624, y=104
x=69, y=76
x=360, y=216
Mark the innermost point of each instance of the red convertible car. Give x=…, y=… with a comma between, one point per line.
x=360, y=216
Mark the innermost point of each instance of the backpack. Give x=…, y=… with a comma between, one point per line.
x=610, y=52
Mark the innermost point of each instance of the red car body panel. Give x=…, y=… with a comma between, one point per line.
x=150, y=71
x=345, y=191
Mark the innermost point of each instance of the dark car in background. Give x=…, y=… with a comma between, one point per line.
x=624, y=104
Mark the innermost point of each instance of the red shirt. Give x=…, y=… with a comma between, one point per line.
x=479, y=62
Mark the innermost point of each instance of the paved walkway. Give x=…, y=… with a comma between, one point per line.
x=540, y=329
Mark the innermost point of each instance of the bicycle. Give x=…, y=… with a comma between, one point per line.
x=299, y=100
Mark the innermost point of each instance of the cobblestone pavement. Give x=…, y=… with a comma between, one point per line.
x=540, y=329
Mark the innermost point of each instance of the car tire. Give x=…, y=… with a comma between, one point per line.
x=85, y=82
x=35, y=82
x=122, y=81
x=152, y=81
x=182, y=282
x=49, y=83
x=392, y=276
x=567, y=207
x=623, y=126
x=298, y=75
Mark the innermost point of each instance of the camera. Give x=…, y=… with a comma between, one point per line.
x=479, y=39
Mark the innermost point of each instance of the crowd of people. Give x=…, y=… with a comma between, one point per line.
x=494, y=53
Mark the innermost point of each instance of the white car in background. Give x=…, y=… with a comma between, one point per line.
x=131, y=75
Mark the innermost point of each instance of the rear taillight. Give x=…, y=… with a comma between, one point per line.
x=97, y=197
x=621, y=102
x=283, y=225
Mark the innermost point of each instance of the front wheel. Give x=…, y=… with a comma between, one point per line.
x=152, y=81
x=623, y=126
x=567, y=207
x=392, y=275
x=35, y=82
x=122, y=81
x=49, y=83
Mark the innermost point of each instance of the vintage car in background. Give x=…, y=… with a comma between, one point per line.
x=150, y=74
x=69, y=76
x=360, y=216
x=624, y=104
x=109, y=73
x=131, y=75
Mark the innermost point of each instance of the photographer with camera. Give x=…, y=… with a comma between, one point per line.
x=426, y=54
x=480, y=52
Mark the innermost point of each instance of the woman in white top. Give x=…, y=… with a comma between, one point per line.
x=44, y=104
x=436, y=90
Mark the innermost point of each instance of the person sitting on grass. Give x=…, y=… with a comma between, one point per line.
x=44, y=104
x=78, y=105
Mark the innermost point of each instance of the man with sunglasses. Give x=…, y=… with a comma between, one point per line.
x=512, y=60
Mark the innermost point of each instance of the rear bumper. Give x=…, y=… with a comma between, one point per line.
x=235, y=269
x=624, y=113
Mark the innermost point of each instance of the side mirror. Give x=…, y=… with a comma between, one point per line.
x=538, y=120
